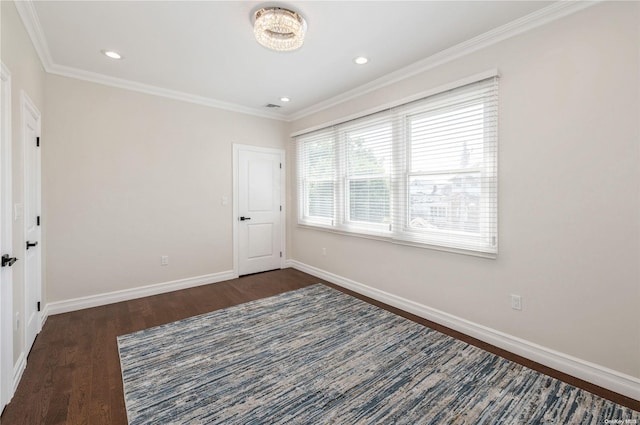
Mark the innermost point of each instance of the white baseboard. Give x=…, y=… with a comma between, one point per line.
x=599, y=375
x=80, y=303
x=18, y=370
x=43, y=315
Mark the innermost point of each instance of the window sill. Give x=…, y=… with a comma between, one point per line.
x=393, y=241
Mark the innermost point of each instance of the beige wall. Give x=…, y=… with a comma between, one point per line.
x=569, y=188
x=27, y=74
x=130, y=177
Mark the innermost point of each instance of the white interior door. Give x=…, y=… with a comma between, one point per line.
x=6, y=276
x=259, y=209
x=32, y=253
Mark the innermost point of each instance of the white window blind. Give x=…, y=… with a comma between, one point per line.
x=421, y=173
x=368, y=147
x=317, y=178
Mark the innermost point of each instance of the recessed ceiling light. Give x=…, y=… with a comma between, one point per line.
x=111, y=54
x=361, y=60
x=285, y=99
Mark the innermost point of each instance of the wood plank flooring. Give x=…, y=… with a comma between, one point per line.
x=73, y=371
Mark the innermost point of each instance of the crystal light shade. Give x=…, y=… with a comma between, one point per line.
x=279, y=29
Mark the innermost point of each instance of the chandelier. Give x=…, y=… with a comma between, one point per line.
x=279, y=29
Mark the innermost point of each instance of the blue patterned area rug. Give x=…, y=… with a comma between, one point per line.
x=318, y=356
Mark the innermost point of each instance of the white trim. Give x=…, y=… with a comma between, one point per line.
x=423, y=94
x=29, y=16
x=6, y=321
x=613, y=380
x=18, y=370
x=557, y=10
x=234, y=217
x=89, y=301
x=106, y=80
x=283, y=202
x=533, y=20
x=44, y=315
x=31, y=22
x=27, y=106
x=237, y=147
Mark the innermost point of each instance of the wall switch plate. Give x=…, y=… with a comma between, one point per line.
x=324, y=252
x=164, y=260
x=516, y=302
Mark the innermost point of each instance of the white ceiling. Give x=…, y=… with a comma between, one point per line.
x=206, y=50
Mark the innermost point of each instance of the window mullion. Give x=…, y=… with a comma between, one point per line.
x=340, y=204
x=398, y=179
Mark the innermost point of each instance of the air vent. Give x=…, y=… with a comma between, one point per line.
x=271, y=105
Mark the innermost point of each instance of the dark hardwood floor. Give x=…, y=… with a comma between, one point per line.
x=73, y=371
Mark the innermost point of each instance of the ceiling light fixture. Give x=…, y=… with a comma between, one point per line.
x=361, y=60
x=111, y=54
x=285, y=99
x=279, y=29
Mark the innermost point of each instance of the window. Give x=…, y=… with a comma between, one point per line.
x=368, y=175
x=423, y=173
x=317, y=159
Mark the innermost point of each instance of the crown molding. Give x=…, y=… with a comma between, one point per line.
x=31, y=22
x=93, y=77
x=557, y=10
x=533, y=20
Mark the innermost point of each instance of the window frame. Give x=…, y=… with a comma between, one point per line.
x=399, y=229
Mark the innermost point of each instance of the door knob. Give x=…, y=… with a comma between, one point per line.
x=30, y=244
x=244, y=218
x=8, y=261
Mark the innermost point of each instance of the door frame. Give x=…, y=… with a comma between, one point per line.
x=6, y=240
x=283, y=217
x=28, y=107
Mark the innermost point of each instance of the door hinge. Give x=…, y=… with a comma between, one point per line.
x=38, y=305
x=281, y=165
x=280, y=207
x=38, y=141
x=280, y=254
x=38, y=220
x=8, y=261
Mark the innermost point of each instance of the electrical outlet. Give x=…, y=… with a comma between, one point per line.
x=164, y=260
x=516, y=302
